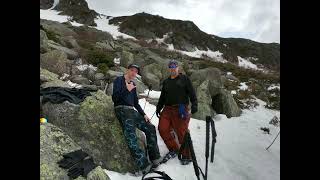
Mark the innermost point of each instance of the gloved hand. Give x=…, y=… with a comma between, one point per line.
x=194, y=109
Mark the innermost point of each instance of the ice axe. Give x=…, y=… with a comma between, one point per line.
x=149, y=89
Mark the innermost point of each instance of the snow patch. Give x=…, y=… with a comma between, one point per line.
x=247, y=64
x=74, y=85
x=233, y=92
x=273, y=86
x=116, y=60
x=53, y=15
x=243, y=86
x=64, y=76
x=103, y=25
x=229, y=73
x=83, y=67
x=217, y=55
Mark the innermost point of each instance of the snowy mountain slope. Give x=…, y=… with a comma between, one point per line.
x=240, y=152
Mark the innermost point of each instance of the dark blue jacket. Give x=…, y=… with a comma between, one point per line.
x=121, y=95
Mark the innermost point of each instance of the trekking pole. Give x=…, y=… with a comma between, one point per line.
x=273, y=140
x=153, y=114
x=149, y=87
x=193, y=156
x=213, y=142
x=207, y=145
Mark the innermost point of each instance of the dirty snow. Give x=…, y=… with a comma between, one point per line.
x=116, y=60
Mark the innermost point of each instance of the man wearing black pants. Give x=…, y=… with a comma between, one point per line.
x=125, y=100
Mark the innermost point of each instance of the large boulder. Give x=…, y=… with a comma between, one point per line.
x=55, y=61
x=224, y=103
x=152, y=74
x=53, y=144
x=204, y=101
x=93, y=125
x=46, y=76
x=126, y=58
x=43, y=42
x=56, y=83
x=80, y=80
x=71, y=54
x=212, y=97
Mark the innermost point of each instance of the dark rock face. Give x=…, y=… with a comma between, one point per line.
x=46, y=4
x=185, y=35
x=78, y=10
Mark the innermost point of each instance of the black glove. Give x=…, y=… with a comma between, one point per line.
x=72, y=158
x=194, y=109
x=83, y=168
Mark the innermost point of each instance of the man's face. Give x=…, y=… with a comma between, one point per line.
x=132, y=73
x=173, y=69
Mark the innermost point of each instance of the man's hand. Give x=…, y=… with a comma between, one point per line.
x=130, y=86
x=146, y=118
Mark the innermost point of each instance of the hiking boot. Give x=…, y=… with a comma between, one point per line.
x=169, y=155
x=185, y=160
x=144, y=170
x=156, y=162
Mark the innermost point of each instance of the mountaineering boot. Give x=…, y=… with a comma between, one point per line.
x=156, y=162
x=144, y=170
x=185, y=160
x=169, y=155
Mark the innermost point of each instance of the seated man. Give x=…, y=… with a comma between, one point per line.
x=125, y=100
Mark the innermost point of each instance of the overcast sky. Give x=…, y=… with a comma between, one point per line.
x=258, y=20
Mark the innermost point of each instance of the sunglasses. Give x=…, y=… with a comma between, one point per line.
x=173, y=66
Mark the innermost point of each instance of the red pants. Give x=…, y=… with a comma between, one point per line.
x=170, y=120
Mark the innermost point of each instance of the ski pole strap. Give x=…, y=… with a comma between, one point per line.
x=162, y=174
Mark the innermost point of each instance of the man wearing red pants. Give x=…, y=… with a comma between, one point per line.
x=175, y=94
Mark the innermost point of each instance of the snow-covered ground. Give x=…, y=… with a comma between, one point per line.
x=152, y=94
x=240, y=151
x=199, y=53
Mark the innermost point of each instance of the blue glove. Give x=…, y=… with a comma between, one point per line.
x=182, y=112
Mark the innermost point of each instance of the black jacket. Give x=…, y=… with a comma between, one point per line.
x=121, y=95
x=177, y=91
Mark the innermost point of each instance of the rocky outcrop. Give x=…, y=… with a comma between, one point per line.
x=46, y=4
x=78, y=10
x=71, y=54
x=43, y=42
x=53, y=144
x=55, y=61
x=93, y=125
x=212, y=96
